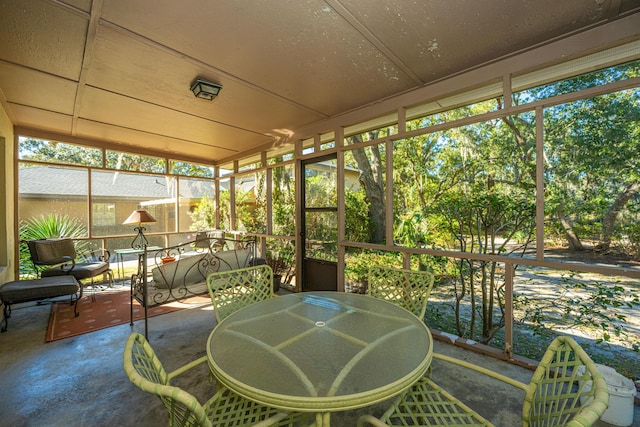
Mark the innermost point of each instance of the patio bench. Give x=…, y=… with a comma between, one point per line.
x=178, y=272
x=20, y=291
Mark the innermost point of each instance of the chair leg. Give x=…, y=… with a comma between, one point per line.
x=75, y=306
x=110, y=276
x=93, y=290
x=6, y=313
x=78, y=297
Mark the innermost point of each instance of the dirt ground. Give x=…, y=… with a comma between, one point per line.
x=549, y=289
x=590, y=255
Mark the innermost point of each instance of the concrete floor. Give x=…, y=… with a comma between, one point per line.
x=79, y=381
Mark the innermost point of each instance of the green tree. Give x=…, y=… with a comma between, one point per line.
x=469, y=189
x=251, y=205
x=357, y=221
x=593, y=152
x=135, y=162
x=191, y=169
x=58, y=152
x=490, y=210
x=591, y=156
x=203, y=216
x=370, y=165
x=283, y=201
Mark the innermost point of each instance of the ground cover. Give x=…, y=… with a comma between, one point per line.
x=590, y=307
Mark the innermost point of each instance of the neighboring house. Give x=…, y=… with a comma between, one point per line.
x=114, y=195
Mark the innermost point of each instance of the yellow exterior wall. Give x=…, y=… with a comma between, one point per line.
x=7, y=217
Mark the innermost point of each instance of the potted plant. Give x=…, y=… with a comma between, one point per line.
x=280, y=258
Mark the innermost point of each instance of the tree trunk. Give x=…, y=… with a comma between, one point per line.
x=371, y=180
x=572, y=238
x=609, y=219
x=525, y=147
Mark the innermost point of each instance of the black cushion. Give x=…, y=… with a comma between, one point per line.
x=80, y=271
x=37, y=289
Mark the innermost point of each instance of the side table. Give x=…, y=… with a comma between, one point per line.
x=120, y=253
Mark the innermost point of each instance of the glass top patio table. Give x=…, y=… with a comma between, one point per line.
x=320, y=351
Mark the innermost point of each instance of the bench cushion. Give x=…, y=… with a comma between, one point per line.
x=186, y=270
x=191, y=269
x=37, y=289
x=232, y=260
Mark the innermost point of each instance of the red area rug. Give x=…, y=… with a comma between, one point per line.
x=109, y=309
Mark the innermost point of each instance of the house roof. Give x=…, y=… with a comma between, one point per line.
x=118, y=72
x=48, y=181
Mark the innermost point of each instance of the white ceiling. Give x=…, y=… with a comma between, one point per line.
x=119, y=71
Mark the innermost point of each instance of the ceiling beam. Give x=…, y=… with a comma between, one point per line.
x=371, y=38
x=90, y=41
x=107, y=145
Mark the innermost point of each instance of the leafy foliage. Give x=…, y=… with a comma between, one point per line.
x=358, y=224
x=203, y=216
x=280, y=257
x=321, y=227
x=191, y=169
x=52, y=226
x=58, y=152
x=284, y=202
x=135, y=162
x=593, y=176
x=581, y=304
x=357, y=268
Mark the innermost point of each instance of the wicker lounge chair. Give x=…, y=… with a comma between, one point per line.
x=552, y=398
x=233, y=289
x=225, y=408
x=407, y=288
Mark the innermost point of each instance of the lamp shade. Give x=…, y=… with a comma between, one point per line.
x=139, y=216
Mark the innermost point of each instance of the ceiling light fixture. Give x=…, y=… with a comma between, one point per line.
x=204, y=89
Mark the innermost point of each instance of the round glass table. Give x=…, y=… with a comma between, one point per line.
x=320, y=351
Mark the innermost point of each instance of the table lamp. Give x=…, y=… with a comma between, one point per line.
x=140, y=216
